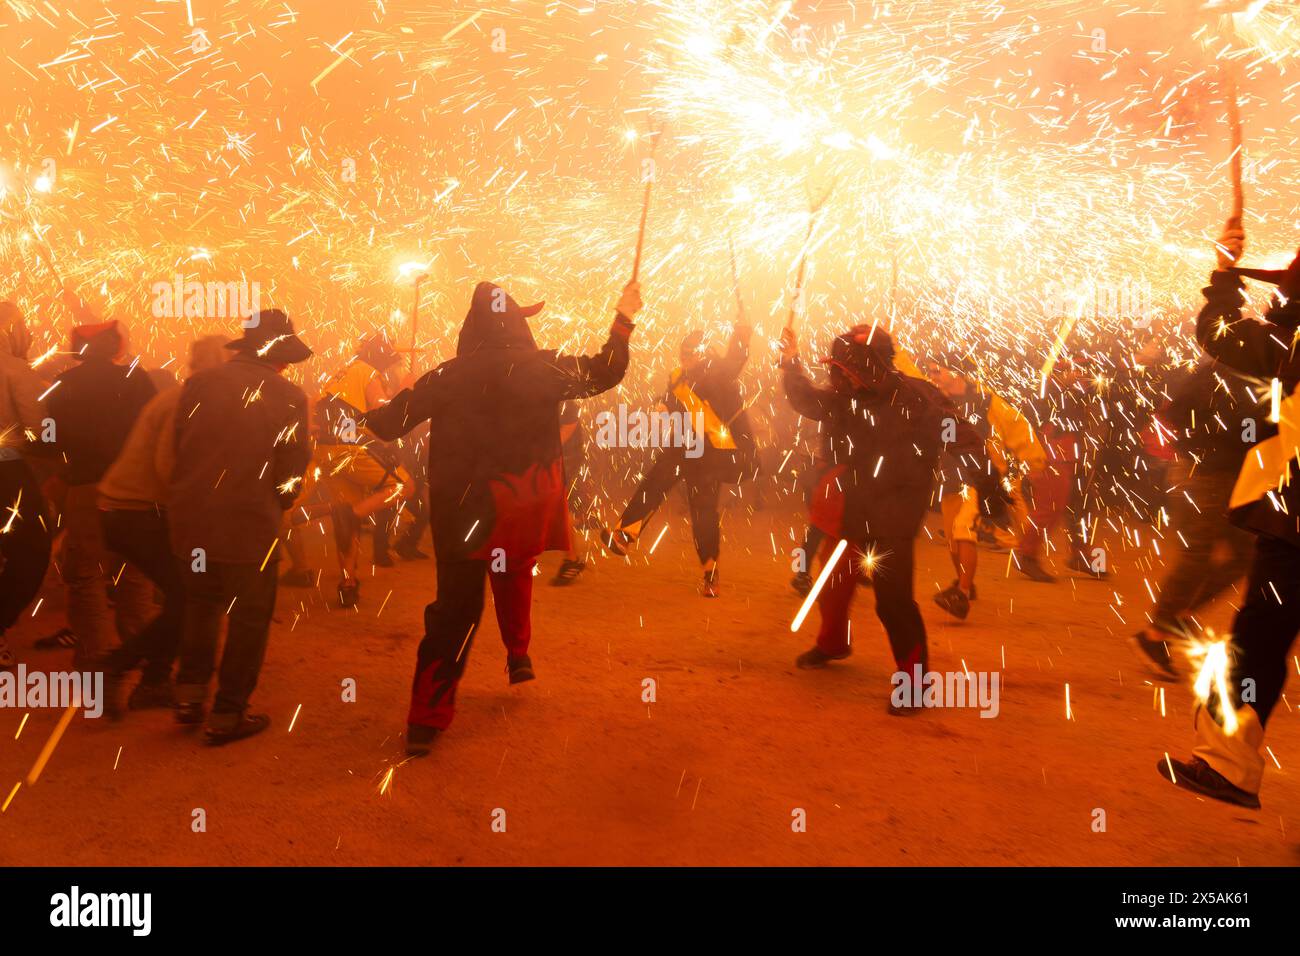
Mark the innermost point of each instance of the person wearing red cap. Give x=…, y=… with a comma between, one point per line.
x=1227, y=761
x=93, y=406
x=496, y=482
x=885, y=432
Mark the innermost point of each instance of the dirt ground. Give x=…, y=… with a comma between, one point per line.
x=711, y=773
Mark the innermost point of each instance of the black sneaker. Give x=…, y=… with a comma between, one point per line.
x=1199, y=777
x=349, y=592
x=569, y=571
x=1031, y=569
x=813, y=658
x=419, y=739
x=802, y=583
x=302, y=578
x=189, y=713
x=954, y=600
x=907, y=710
x=1155, y=655
x=147, y=696
x=709, y=586
x=384, y=559
x=410, y=551
x=520, y=668
x=226, y=731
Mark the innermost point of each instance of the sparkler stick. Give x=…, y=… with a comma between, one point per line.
x=48, y=750
x=645, y=204
x=814, y=211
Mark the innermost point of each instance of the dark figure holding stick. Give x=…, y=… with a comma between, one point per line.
x=705, y=391
x=1227, y=761
x=886, y=434
x=496, y=482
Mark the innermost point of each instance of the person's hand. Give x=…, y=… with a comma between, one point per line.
x=629, y=303
x=1228, y=250
x=789, y=344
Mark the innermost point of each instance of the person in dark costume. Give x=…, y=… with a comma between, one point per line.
x=886, y=432
x=705, y=388
x=1227, y=761
x=496, y=482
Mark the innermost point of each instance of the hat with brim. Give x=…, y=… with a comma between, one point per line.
x=269, y=335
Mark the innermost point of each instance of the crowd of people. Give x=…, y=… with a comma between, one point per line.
x=182, y=501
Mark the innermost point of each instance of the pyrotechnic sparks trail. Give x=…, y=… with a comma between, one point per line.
x=822, y=578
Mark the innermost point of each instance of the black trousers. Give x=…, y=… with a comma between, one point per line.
x=141, y=537
x=703, y=491
x=25, y=547
x=208, y=594
x=1267, y=624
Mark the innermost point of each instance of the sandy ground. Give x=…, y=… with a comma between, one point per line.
x=710, y=773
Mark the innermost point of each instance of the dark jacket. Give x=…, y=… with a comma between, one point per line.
x=1264, y=350
x=241, y=452
x=495, y=474
x=1206, y=411
x=716, y=381
x=93, y=405
x=886, y=443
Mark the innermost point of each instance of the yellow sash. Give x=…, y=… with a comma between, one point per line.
x=715, y=429
x=1266, y=467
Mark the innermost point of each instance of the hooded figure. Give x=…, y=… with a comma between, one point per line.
x=496, y=480
x=884, y=431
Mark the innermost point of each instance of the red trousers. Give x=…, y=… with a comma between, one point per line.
x=450, y=623
x=1049, y=498
x=891, y=574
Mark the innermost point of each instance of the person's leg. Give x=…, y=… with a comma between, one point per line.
x=252, y=589
x=651, y=492
x=450, y=623
x=85, y=572
x=24, y=548
x=893, y=570
x=141, y=538
x=836, y=600
x=1228, y=763
x=206, y=598
x=706, y=528
x=512, y=596
x=1049, y=494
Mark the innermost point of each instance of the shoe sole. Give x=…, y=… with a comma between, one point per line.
x=221, y=739
x=1191, y=786
x=522, y=677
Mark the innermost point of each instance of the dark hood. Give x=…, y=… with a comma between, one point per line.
x=496, y=321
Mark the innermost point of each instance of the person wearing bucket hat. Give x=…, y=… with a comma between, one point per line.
x=496, y=482
x=1227, y=761
x=885, y=432
x=241, y=449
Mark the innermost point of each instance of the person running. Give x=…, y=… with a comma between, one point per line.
x=1227, y=762
x=886, y=433
x=704, y=388
x=496, y=482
